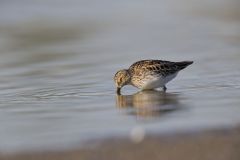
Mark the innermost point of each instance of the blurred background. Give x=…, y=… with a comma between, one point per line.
x=58, y=58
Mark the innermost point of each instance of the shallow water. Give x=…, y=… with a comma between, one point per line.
x=58, y=60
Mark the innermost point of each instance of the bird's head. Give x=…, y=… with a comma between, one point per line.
x=121, y=79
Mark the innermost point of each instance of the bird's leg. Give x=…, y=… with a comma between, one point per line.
x=118, y=91
x=164, y=88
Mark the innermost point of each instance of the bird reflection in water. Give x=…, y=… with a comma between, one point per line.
x=148, y=103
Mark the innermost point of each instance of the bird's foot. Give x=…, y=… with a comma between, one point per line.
x=164, y=88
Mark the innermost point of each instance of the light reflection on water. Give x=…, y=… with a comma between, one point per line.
x=149, y=103
x=56, y=87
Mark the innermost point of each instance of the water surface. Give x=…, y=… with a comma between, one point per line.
x=58, y=60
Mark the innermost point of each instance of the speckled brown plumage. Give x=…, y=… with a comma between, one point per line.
x=163, y=68
x=149, y=74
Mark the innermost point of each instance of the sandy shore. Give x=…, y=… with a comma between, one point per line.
x=207, y=145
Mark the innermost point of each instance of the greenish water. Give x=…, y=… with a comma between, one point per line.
x=58, y=61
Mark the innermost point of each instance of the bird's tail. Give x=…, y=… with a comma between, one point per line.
x=183, y=64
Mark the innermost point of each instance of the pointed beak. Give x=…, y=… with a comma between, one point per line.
x=118, y=90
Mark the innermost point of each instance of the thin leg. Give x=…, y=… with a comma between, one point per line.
x=164, y=88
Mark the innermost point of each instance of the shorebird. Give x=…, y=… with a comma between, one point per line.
x=149, y=74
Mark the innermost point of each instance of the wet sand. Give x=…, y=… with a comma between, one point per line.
x=207, y=145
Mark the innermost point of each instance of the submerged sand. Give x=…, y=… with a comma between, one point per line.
x=207, y=145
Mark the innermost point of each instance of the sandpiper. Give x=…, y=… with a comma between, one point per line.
x=149, y=74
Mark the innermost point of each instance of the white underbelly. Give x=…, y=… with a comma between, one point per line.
x=158, y=82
